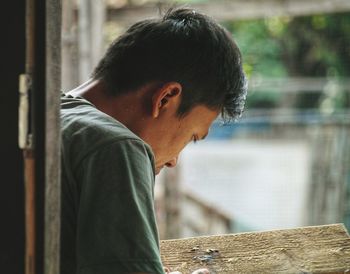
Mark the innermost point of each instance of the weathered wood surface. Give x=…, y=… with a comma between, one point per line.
x=318, y=249
x=52, y=139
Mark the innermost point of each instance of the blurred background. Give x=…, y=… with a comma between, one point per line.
x=286, y=162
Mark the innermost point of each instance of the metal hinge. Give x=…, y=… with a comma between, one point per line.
x=24, y=137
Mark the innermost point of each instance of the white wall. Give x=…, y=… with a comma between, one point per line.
x=262, y=184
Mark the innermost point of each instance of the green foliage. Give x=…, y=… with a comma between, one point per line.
x=320, y=47
x=261, y=56
x=260, y=100
x=310, y=46
x=261, y=51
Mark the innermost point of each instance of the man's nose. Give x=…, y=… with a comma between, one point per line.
x=172, y=162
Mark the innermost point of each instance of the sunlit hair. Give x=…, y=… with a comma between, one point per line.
x=183, y=46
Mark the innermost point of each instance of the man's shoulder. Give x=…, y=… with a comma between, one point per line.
x=86, y=130
x=81, y=118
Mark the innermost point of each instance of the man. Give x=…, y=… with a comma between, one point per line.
x=158, y=87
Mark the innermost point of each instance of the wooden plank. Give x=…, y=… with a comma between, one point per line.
x=52, y=139
x=233, y=10
x=318, y=249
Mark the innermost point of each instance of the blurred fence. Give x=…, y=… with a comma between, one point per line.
x=329, y=138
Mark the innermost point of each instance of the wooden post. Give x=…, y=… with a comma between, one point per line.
x=98, y=14
x=52, y=138
x=172, y=202
x=26, y=144
x=91, y=20
x=84, y=40
x=39, y=136
x=29, y=175
x=70, y=61
x=330, y=171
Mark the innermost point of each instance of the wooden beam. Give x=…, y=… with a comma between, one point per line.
x=298, y=84
x=234, y=10
x=52, y=138
x=319, y=249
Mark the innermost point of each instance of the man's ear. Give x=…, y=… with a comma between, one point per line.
x=166, y=96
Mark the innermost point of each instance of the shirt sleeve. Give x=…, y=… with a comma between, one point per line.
x=116, y=228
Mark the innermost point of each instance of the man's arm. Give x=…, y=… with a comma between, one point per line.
x=116, y=230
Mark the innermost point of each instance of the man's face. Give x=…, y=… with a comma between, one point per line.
x=173, y=133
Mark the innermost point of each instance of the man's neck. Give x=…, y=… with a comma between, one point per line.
x=126, y=108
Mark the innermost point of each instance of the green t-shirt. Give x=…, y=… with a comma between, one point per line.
x=108, y=223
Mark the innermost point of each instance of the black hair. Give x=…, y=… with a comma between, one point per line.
x=183, y=46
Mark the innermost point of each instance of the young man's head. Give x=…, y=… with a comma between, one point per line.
x=193, y=70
